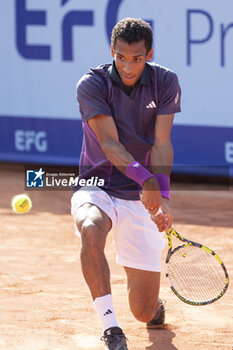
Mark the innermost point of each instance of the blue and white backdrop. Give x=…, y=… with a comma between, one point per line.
x=46, y=46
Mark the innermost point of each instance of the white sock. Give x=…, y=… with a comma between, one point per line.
x=104, y=308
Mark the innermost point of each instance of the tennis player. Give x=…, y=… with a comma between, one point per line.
x=127, y=109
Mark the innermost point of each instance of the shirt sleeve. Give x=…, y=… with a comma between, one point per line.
x=92, y=97
x=169, y=94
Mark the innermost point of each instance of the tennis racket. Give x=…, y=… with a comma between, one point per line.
x=195, y=273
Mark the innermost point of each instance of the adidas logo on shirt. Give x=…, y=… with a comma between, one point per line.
x=151, y=105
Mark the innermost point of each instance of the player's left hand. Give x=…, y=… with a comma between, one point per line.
x=167, y=211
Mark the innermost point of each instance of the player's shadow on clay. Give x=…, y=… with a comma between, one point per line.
x=161, y=339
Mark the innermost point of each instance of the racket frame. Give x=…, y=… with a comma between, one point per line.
x=187, y=242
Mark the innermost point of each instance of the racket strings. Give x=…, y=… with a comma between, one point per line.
x=196, y=274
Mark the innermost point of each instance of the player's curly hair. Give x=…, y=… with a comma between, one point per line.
x=132, y=30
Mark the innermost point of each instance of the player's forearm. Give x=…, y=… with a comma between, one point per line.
x=162, y=158
x=117, y=154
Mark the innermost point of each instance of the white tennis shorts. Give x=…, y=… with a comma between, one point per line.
x=137, y=241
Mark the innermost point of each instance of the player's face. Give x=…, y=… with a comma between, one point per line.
x=130, y=60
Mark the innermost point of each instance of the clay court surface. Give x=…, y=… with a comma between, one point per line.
x=44, y=302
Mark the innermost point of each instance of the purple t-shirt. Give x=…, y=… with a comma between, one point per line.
x=101, y=91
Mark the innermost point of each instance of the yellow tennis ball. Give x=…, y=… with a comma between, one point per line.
x=21, y=203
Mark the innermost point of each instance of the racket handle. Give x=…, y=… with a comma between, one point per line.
x=159, y=212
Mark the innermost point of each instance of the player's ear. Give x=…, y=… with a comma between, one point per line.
x=112, y=51
x=149, y=55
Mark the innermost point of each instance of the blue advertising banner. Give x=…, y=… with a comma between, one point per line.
x=40, y=140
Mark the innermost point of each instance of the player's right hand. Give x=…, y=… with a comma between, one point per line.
x=161, y=220
x=151, y=196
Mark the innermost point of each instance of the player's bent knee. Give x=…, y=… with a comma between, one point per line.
x=92, y=235
x=143, y=313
